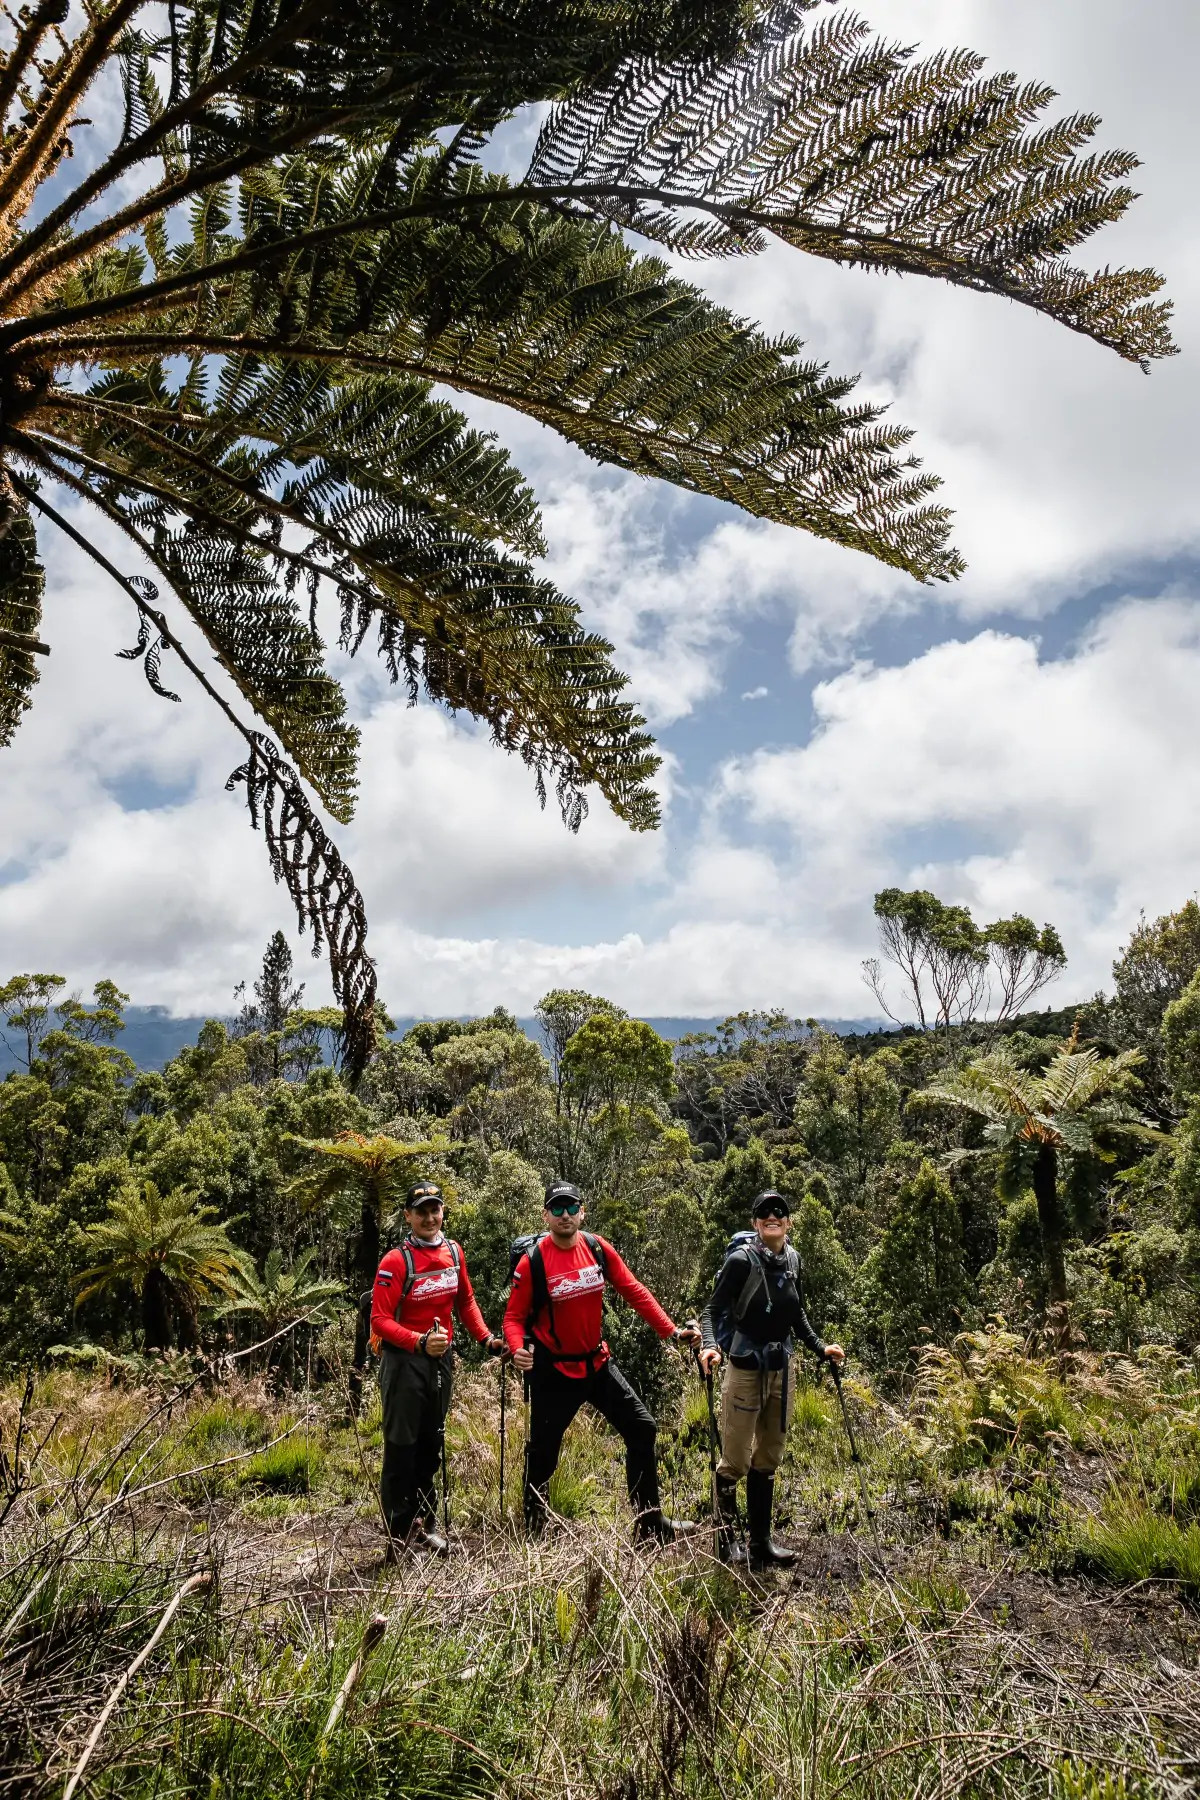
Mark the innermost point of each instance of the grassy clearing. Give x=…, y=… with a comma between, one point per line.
x=919, y=1663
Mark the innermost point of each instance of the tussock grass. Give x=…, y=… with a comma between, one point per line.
x=1130, y=1542
x=290, y=1467
x=579, y=1668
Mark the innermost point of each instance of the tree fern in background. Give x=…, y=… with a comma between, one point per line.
x=224, y=334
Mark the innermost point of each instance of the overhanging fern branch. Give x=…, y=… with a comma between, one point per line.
x=303, y=856
x=149, y=648
x=308, y=862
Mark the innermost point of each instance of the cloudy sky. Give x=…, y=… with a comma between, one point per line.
x=1023, y=740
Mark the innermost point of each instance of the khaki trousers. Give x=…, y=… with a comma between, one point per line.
x=751, y=1434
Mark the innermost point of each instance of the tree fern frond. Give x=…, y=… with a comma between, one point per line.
x=22, y=584
x=384, y=499
x=325, y=894
x=858, y=153
x=252, y=622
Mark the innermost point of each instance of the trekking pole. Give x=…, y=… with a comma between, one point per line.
x=855, y=1456
x=714, y=1436
x=525, y=1387
x=437, y=1326
x=503, y=1426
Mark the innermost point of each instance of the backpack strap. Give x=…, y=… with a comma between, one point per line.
x=755, y=1279
x=596, y=1246
x=410, y=1268
x=539, y=1291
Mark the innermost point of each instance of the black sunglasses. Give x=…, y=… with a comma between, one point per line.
x=774, y=1212
x=569, y=1207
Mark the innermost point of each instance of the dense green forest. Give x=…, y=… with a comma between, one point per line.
x=1043, y=1168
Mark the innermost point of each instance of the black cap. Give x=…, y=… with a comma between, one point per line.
x=771, y=1202
x=562, y=1190
x=420, y=1191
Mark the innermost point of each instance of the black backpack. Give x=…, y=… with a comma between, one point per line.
x=531, y=1246
x=726, y=1322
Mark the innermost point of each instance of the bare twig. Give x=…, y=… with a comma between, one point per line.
x=190, y=1586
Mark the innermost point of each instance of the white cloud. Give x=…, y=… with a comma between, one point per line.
x=1068, y=789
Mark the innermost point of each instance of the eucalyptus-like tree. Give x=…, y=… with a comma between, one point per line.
x=242, y=242
x=953, y=968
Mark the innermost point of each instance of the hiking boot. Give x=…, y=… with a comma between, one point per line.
x=730, y=1547
x=654, y=1527
x=426, y=1540
x=765, y=1553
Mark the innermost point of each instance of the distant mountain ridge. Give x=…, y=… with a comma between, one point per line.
x=152, y=1035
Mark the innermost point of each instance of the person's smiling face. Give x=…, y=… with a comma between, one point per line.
x=425, y=1219
x=773, y=1232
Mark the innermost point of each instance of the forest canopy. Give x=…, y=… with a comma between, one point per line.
x=1037, y=1167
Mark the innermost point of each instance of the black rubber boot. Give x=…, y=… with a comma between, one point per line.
x=654, y=1527
x=765, y=1553
x=426, y=1536
x=730, y=1547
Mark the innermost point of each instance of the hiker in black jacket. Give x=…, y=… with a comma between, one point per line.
x=757, y=1311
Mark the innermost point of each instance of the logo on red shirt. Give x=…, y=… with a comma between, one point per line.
x=438, y=1281
x=573, y=1287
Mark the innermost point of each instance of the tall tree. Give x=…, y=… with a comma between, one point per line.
x=1152, y=972
x=954, y=971
x=1075, y=1105
x=913, y=1282
x=275, y=1000
x=848, y=1113
x=220, y=326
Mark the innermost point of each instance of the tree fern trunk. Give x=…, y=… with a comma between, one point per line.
x=156, y=1311
x=1045, y=1189
x=365, y=1265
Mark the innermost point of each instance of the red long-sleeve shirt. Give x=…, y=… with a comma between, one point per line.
x=575, y=1284
x=438, y=1292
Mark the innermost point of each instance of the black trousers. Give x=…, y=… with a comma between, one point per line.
x=415, y=1390
x=554, y=1399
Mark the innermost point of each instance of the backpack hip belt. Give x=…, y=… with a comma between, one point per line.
x=584, y=1356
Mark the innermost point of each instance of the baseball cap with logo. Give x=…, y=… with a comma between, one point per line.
x=421, y=1193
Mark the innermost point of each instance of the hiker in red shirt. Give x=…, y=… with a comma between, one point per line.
x=552, y=1326
x=419, y=1288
